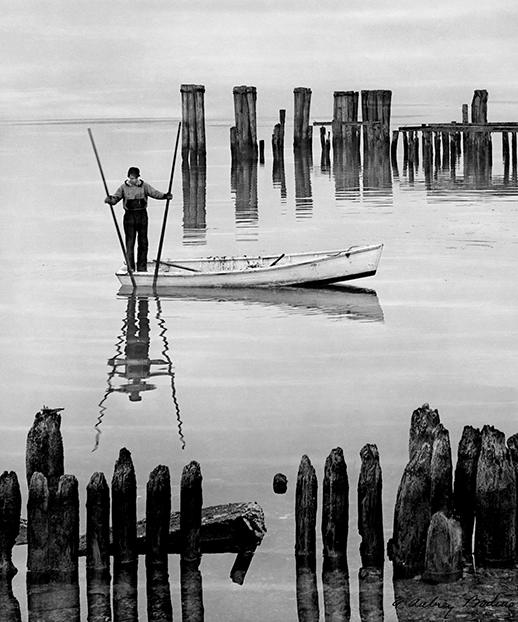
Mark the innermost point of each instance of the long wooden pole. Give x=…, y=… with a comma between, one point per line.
x=124, y=252
x=161, y=243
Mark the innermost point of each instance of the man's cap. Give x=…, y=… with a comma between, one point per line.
x=133, y=170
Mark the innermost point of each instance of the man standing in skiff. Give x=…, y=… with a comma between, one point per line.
x=134, y=192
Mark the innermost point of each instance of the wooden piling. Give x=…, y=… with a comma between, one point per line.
x=514, y=155
x=405, y=146
x=158, y=511
x=306, y=509
x=243, y=136
x=10, y=511
x=443, y=562
x=407, y=547
x=441, y=471
x=278, y=137
x=345, y=117
x=44, y=451
x=124, y=510
x=370, y=508
x=302, y=128
x=464, y=492
x=193, y=122
x=98, y=577
x=495, y=529
x=191, y=501
x=280, y=484
x=422, y=425
x=505, y=148
x=64, y=529
x=38, y=525
x=512, y=444
x=335, y=506
x=261, y=152
x=393, y=145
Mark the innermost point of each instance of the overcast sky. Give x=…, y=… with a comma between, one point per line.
x=118, y=58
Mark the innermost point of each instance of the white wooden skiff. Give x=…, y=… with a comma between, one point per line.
x=261, y=271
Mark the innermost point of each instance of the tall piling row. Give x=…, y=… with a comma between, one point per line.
x=194, y=147
x=243, y=136
x=302, y=128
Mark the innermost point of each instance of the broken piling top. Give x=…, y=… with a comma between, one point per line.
x=44, y=451
x=422, y=425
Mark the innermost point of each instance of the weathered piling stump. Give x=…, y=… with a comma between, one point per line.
x=512, y=444
x=306, y=509
x=280, y=483
x=443, y=561
x=335, y=532
x=98, y=577
x=407, y=547
x=376, y=110
x=441, y=471
x=305, y=541
x=124, y=510
x=124, y=536
x=193, y=123
x=302, y=128
x=191, y=501
x=335, y=506
x=64, y=529
x=370, y=508
x=10, y=512
x=495, y=529
x=38, y=525
x=44, y=451
x=464, y=492
x=243, y=136
x=158, y=511
x=194, y=193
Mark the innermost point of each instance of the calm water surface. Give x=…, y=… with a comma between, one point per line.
x=246, y=383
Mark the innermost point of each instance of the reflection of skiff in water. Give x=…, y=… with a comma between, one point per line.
x=261, y=271
x=340, y=301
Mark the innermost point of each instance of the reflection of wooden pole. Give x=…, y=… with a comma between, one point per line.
x=10, y=510
x=495, y=529
x=464, y=494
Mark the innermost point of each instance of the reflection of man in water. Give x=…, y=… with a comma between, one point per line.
x=138, y=364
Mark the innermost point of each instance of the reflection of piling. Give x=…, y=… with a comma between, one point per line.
x=243, y=136
x=335, y=530
x=191, y=501
x=464, y=494
x=305, y=541
x=10, y=510
x=302, y=129
x=194, y=190
x=370, y=508
x=243, y=183
x=303, y=163
x=495, y=530
x=193, y=123
x=158, y=510
x=98, y=548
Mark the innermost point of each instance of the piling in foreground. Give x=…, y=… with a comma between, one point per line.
x=370, y=508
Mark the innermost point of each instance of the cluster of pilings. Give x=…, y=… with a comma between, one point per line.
x=335, y=532
x=437, y=514
x=54, y=545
